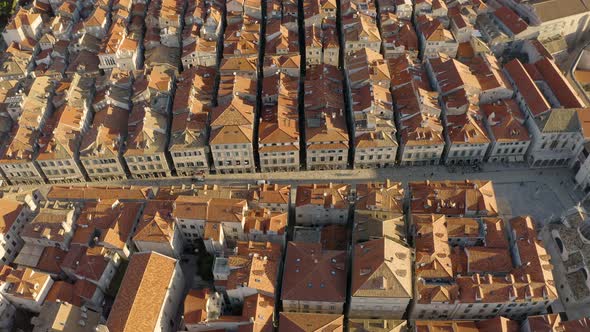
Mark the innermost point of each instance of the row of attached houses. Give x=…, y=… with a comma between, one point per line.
x=219, y=217
x=64, y=252
x=97, y=127
x=371, y=101
x=470, y=264
x=478, y=121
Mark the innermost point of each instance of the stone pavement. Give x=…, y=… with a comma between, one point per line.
x=557, y=180
x=539, y=192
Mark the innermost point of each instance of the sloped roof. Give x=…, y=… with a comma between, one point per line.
x=9, y=211
x=76, y=293
x=310, y=322
x=314, y=274
x=142, y=293
x=382, y=268
x=527, y=88
x=559, y=120
x=155, y=229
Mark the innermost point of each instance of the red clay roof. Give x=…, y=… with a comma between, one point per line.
x=511, y=20
x=142, y=294
x=560, y=86
x=527, y=88
x=314, y=274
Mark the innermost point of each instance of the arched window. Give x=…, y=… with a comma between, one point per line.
x=559, y=244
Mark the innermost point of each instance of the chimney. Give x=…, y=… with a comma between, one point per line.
x=476, y=278
x=510, y=278
x=512, y=293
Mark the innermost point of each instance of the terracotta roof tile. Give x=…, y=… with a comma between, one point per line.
x=527, y=88
x=314, y=274
x=26, y=283
x=257, y=269
x=142, y=293
x=77, y=293
x=310, y=322
x=326, y=195
x=506, y=121
x=382, y=268
x=109, y=220
x=157, y=223
x=560, y=86
x=51, y=260
x=380, y=196
x=9, y=211
x=99, y=192
x=86, y=262
x=454, y=198
x=195, y=306
x=511, y=20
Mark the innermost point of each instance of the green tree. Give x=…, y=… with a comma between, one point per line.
x=6, y=7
